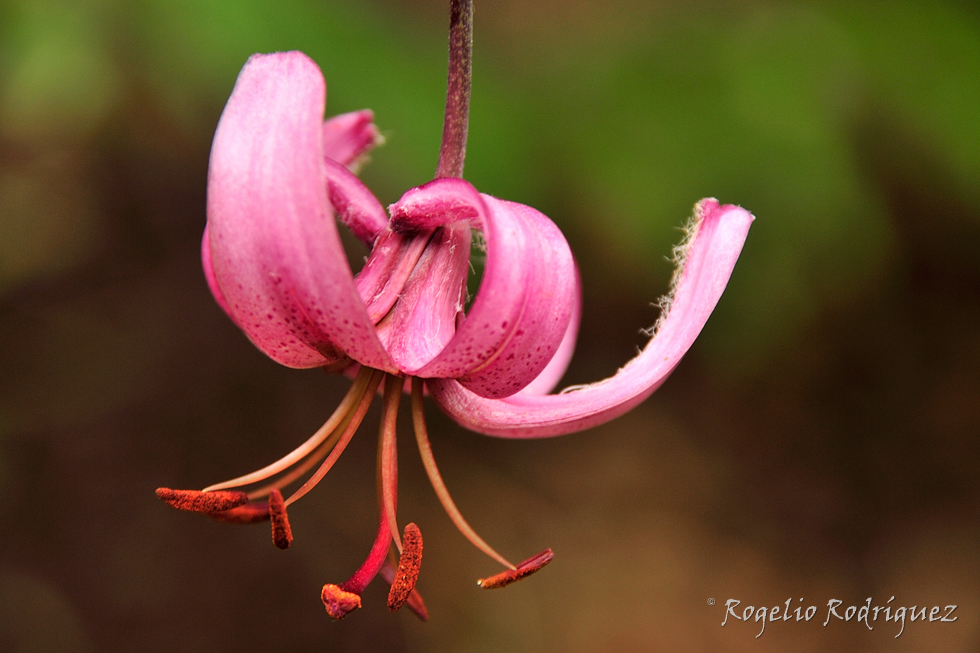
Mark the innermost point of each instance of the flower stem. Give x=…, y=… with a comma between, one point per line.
x=452, y=153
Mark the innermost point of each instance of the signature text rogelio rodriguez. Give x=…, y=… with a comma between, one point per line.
x=865, y=614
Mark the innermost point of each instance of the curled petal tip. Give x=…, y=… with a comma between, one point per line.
x=355, y=205
x=348, y=138
x=705, y=262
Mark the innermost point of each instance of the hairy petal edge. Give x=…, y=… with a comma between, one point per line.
x=709, y=256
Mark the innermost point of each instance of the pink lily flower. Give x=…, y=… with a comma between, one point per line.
x=274, y=261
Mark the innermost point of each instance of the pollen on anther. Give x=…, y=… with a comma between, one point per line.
x=526, y=568
x=408, y=568
x=282, y=534
x=197, y=501
x=339, y=603
x=415, y=602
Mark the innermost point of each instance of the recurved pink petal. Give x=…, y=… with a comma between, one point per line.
x=356, y=206
x=526, y=297
x=274, y=246
x=715, y=241
x=211, y=279
x=349, y=136
x=388, y=267
x=423, y=319
x=558, y=365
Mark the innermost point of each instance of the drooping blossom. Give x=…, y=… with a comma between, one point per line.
x=273, y=258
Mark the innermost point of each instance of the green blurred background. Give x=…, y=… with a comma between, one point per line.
x=820, y=440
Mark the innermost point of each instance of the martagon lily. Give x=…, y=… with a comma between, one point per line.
x=273, y=258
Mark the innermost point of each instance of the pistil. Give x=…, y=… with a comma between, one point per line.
x=341, y=599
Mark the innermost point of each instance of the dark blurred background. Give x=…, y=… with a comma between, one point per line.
x=819, y=441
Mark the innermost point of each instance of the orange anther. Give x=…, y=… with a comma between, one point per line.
x=282, y=534
x=526, y=568
x=197, y=501
x=408, y=568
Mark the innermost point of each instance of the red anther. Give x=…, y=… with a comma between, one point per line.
x=526, y=568
x=409, y=564
x=197, y=501
x=251, y=513
x=339, y=602
x=282, y=534
x=415, y=602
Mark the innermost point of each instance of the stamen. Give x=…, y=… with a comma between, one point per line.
x=403, y=583
x=282, y=534
x=389, y=453
x=201, y=501
x=415, y=602
x=339, y=603
x=429, y=461
x=355, y=421
x=526, y=568
x=311, y=460
x=250, y=513
x=352, y=399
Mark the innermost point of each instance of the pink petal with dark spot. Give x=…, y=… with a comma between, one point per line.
x=525, y=301
x=275, y=250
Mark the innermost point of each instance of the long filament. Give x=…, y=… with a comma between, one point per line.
x=425, y=450
x=352, y=399
x=306, y=465
x=389, y=453
x=345, y=438
x=382, y=540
